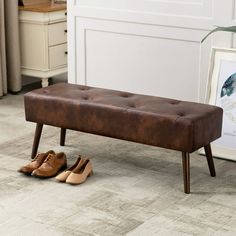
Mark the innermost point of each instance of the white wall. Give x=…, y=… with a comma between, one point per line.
x=146, y=46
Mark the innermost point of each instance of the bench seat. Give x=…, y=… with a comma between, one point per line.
x=157, y=121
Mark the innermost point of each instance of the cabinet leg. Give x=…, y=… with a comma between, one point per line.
x=44, y=82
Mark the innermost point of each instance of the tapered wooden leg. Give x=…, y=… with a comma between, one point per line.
x=210, y=160
x=37, y=136
x=63, y=137
x=186, y=171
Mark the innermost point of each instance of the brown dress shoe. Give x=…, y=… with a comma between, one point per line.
x=80, y=173
x=51, y=166
x=63, y=176
x=35, y=163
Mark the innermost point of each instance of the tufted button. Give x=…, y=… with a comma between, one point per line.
x=132, y=105
x=83, y=97
x=180, y=114
x=174, y=102
x=83, y=88
x=125, y=95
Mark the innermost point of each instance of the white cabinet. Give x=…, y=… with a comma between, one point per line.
x=145, y=46
x=43, y=41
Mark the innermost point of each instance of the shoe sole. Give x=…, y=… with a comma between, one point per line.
x=25, y=173
x=51, y=176
x=91, y=173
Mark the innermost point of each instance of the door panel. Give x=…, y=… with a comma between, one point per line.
x=146, y=46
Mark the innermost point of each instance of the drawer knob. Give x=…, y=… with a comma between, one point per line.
x=65, y=30
x=66, y=52
x=65, y=13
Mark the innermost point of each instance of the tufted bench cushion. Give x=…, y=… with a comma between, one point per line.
x=162, y=122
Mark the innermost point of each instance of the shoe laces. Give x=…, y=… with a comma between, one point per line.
x=49, y=159
x=37, y=157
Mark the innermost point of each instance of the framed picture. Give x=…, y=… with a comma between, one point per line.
x=221, y=91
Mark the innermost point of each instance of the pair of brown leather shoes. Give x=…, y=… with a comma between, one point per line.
x=77, y=173
x=45, y=165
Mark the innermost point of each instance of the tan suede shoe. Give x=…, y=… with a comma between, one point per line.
x=80, y=173
x=63, y=176
x=51, y=166
x=35, y=163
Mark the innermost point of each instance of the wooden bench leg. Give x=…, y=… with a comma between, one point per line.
x=210, y=160
x=63, y=137
x=186, y=171
x=37, y=136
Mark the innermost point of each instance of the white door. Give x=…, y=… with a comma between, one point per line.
x=146, y=46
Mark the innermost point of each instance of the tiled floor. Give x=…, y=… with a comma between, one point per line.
x=135, y=190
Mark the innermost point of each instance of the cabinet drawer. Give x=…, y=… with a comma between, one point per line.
x=56, y=16
x=57, y=33
x=58, y=56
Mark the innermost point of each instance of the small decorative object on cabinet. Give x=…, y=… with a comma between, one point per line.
x=43, y=30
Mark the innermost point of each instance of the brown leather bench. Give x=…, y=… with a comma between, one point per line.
x=161, y=122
